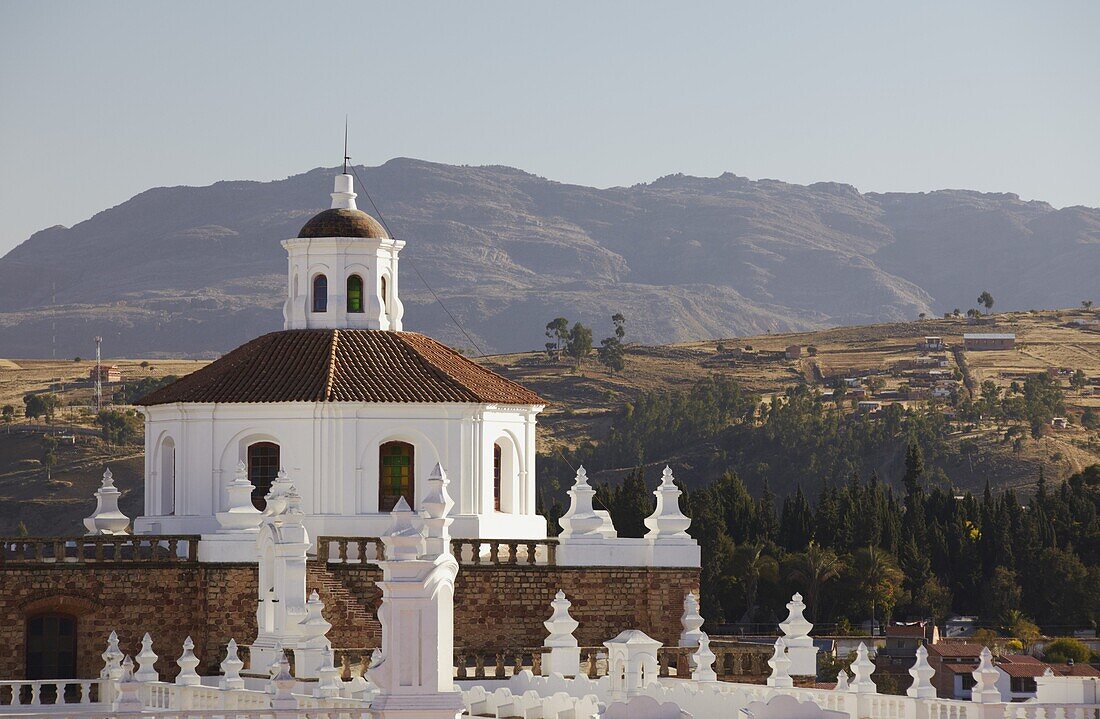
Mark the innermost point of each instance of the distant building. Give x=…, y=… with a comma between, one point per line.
x=981, y=341
x=793, y=351
x=1016, y=674
x=869, y=406
x=1059, y=423
x=903, y=639
x=852, y=381
x=106, y=373
x=933, y=344
x=954, y=665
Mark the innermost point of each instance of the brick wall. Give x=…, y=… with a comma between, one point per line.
x=495, y=606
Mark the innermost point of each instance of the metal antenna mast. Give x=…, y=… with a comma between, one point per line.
x=346, y=157
x=98, y=377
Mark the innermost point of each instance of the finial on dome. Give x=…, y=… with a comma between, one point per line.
x=343, y=195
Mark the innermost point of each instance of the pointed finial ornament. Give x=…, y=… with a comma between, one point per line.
x=922, y=672
x=780, y=664
x=108, y=518
x=862, y=669
x=985, y=689
x=580, y=520
x=346, y=157
x=146, y=659
x=187, y=663
x=667, y=520
x=841, y=681
x=403, y=541
x=112, y=658
x=231, y=668
x=691, y=621
x=704, y=661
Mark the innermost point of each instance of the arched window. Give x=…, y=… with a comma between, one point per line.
x=396, y=477
x=51, y=646
x=382, y=291
x=168, y=477
x=497, y=461
x=355, y=293
x=263, y=465
x=320, y=293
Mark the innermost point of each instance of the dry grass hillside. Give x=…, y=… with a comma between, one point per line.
x=584, y=401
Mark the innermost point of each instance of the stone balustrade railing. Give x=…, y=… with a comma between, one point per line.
x=468, y=552
x=731, y=663
x=99, y=548
x=49, y=691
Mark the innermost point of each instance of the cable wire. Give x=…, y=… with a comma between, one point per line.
x=378, y=213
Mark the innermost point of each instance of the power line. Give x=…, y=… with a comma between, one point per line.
x=378, y=213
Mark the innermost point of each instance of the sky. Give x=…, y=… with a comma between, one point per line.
x=100, y=101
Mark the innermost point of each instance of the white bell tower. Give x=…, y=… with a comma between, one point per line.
x=342, y=271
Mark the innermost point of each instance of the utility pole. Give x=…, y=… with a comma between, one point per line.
x=98, y=377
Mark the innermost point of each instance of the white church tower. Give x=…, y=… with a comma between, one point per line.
x=343, y=270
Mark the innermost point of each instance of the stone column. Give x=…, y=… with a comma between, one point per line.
x=415, y=676
x=691, y=621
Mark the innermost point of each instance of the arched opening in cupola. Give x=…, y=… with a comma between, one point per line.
x=320, y=293
x=263, y=466
x=396, y=475
x=355, y=294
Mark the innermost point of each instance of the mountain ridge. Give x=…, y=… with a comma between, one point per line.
x=198, y=270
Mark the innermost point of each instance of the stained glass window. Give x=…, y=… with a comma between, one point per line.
x=355, y=293
x=395, y=475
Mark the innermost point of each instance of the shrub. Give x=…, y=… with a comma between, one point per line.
x=1063, y=649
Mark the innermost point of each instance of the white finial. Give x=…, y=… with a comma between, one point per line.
x=580, y=519
x=667, y=520
x=314, y=625
x=841, y=681
x=343, y=193
x=328, y=677
x=107, y=518
x=922, y=672
x=862, y=669
x=564, y=656
x=231, y=668
x=146, y=659
x=241, y=515
x=796, y=634
x=282, y=685
x=112, y=659
x=704, y=661
x=187, y=663
x=403, y=541
x=369, y=684
x=691, y=621
x=985, y=690
x=780, y=665
x=128, y=688
x=436, y=507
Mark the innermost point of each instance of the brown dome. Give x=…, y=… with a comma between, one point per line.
x=343, y=223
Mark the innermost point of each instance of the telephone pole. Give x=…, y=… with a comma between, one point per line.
x=98, y=377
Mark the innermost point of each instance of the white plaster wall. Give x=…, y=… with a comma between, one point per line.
x=330, y=451
x=337, y=259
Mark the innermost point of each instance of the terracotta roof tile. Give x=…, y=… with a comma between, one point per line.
x=343, y=366
x=951, y=649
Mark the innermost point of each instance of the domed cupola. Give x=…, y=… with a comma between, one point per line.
x=344, y=219
x=343, y=270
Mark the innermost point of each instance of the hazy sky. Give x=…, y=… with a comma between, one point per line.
x=101, y=100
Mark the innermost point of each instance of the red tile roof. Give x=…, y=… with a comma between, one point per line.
x=914, y=631
x=953, y=650
x=343, y=366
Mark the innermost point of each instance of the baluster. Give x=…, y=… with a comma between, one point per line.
x=552, y=553
x=59, y=550
x=499, y=669
x=531, y=548
x=513, y=553
x=16, y=695
x=173, y=549
x=361, y=550
x=536, y=662
x=662, y=664
x=494, y=552
x=322, y=550
x=517, y=667
x=460, y=662
x=475, y=552
x=592, y=669
x=343, y=546
x=683, y=664
x=479, y=666
x=39, y=551
x=97, y=552
x=36, y=690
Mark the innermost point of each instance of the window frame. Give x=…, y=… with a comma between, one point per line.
x=59, y=668
x=359, y=295
x=318, y=302
x=387, y=500
x=261, y=488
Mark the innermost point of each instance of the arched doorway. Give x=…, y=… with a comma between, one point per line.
x=263, y=466
x=396, y=475
x=51, y=646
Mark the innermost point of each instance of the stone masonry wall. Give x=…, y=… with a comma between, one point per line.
x=500, y=607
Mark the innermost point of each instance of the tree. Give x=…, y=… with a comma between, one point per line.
x=41, y=405
x=878, y=580
x=144, y=364
x=1062, y=649
x=630, y=504
x=1087, y=304
x=956, y=312
x=610, y=354
x=986, y=300
x=1020, y=627
x=812, y=569
x=579, y=344
x=1078, y=381
x=557, y=331
x=119, y=427
x=751, y=564
x=974, y=313
x=619, y=321
x=9, y=415
x=49, y=454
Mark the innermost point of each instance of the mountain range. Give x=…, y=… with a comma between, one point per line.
x=196, y=271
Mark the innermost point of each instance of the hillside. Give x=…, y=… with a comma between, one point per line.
x=585, y=402
x=195, y=271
